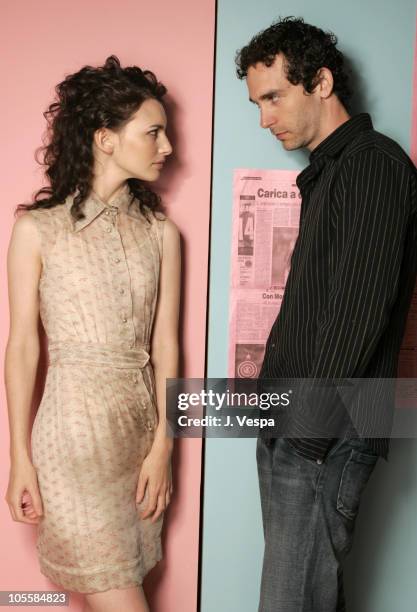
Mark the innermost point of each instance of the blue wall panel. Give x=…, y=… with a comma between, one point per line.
x=378, y=36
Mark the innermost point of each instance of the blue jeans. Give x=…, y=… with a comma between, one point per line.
x=308, y=513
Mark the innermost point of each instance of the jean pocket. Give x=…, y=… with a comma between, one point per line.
x=356, y=472
x=298, y=455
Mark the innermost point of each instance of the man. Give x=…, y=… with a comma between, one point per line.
x=343, y=313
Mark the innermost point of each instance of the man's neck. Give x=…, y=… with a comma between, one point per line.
x=333, y=119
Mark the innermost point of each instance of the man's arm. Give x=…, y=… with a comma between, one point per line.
x=371, y=218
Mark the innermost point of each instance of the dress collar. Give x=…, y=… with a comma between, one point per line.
x=93, y=207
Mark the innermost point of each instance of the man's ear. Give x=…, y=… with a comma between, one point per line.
x=324, y=82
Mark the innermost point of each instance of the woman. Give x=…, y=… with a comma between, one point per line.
x=101, y=266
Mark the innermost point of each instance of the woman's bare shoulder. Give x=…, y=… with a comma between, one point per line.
x=47, y=221
x=171, y=231
x=25, y=236
x=25, y=225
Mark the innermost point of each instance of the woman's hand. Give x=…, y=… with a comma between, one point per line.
x=24, y=489
x=155, y=479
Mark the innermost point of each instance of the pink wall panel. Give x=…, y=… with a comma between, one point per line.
x=42, y=42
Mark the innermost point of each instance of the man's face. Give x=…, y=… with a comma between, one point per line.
x=292, y=115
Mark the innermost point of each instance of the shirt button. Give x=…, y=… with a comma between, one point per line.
x=108, y=229
x=116, y=260
x=319, y=461
x=124, y=319
x=107, y=212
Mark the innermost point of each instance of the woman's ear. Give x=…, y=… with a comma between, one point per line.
x=104, y=140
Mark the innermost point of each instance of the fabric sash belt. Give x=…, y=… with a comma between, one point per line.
x=97, y=354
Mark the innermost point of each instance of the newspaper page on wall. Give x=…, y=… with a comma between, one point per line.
x=266, y=213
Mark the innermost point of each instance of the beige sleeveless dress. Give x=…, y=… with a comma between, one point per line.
x=97, y=417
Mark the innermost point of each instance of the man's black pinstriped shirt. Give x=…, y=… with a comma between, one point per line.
x=352, y=276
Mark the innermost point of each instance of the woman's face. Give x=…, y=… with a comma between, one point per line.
x=141, y=146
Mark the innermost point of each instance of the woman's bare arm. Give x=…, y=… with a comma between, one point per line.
x=164, y=350
x=164, y=357
x=21, y=359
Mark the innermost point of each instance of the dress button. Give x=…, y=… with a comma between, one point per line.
x=149, y=426
x=124, y=319
x=319, y=461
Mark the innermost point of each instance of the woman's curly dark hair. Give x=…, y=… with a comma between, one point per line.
x=106, y=96
x=306, y=49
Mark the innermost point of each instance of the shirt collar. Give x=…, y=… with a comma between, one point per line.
x=341, y=136
x=93, y=207
x=331, y=146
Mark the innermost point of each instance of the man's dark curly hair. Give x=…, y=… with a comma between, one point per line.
x=93, y=97
x=306, y=49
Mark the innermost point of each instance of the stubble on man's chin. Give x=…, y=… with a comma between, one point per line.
x=294, y=145
x=290, y=146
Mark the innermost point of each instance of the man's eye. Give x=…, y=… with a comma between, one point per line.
x=153, y=133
